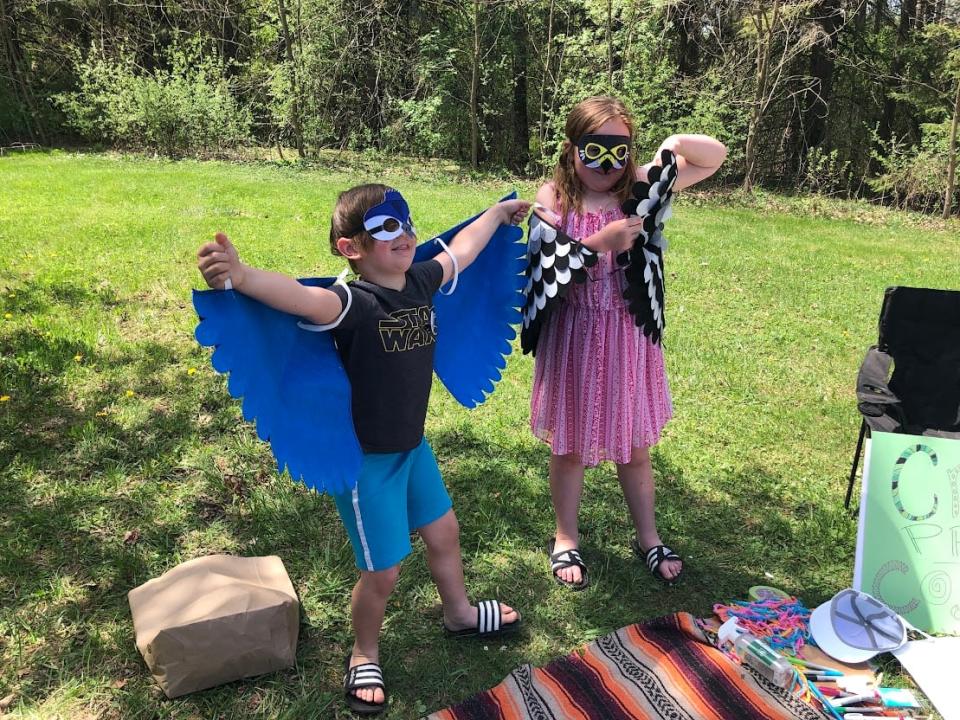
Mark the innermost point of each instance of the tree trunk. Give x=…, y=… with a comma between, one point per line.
x=521, y=127
x=860, y=20
x=475, y=90
x=687, y=23
x=374, y=58
x=19, y=72
x=822, y=61
x=295, y=87
x=952, y=156
x=228, y=31
x=907, y=8
x=610, y=45
x=879, y=15
x=541, y=121
x=764, y=48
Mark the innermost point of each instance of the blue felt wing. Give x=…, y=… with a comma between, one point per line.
x=474, y=323
x=292, y=382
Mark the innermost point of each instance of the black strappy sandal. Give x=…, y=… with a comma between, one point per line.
x=654, y=556
x=566, y=559
x=364, y=675
x=489, y=623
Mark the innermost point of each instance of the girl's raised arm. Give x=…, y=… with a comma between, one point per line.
x=698, y=157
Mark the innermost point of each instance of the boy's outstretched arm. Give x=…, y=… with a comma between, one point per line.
x=698, y=157
x=469, y=242
x=219, y=261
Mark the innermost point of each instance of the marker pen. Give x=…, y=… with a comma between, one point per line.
x=807, y=663
x=863, y=710
x=856, y=699
x=823, y=671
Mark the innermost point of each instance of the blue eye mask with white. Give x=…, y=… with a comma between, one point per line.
x=389, y=219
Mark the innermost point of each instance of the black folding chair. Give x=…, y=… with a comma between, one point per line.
x=919, y=336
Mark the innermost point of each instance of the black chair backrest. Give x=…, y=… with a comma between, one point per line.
x=920, y=329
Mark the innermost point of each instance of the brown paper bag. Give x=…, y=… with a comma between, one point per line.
x=216, y=619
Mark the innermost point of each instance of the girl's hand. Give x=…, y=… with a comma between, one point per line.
x=698, y=157
x=219, y=261
x=616, y=236
x=512, y=212
x=672, y=143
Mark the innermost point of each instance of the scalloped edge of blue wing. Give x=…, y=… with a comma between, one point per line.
x=475, y=325
x=291, y=383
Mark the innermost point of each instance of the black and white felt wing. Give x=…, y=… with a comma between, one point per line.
x=554, y=261
x=644, y=262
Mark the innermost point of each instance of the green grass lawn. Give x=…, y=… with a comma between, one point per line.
x=121, y=453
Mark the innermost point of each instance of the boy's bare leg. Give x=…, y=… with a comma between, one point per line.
x=566, y=486
x=636, y=479
x=442, y=538
x=369, y=603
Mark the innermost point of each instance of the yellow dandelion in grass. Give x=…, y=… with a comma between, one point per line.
x=78, y=357
x=103, y=413
x=4, y=398
x=129, y=393
x=192, y=371
x=8, y=316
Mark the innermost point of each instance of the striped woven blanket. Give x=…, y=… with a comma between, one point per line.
x=663, y=669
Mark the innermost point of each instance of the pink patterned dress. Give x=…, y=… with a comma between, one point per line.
x=599, y=386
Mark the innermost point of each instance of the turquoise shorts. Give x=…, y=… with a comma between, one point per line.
x=395, y=494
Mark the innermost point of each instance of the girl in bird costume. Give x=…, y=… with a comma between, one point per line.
x=337, y=376
x=594, y=317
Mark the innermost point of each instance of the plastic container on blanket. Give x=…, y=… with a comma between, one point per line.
x=757, y=654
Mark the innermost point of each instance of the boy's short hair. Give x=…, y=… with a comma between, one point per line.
x=348, y=216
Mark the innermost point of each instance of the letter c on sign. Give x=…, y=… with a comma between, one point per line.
x=886, y=569
x=895, y=483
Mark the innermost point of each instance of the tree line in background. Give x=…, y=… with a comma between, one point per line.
x=851, y=97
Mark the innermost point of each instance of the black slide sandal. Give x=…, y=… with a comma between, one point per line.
x=364, y=675
x=566, y=559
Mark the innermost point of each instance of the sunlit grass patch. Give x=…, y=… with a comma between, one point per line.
x=122, y=455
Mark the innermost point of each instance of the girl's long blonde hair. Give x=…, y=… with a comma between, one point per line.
x=586, y=117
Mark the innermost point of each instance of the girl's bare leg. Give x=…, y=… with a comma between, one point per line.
x=636, y=479
x=566, y=487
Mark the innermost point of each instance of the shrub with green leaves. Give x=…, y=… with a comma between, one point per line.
x=186, y=108
x=827, y=173
x=915, y=175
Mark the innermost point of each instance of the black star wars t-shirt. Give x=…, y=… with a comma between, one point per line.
x=386, y=342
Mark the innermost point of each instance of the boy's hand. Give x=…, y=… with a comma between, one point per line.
x=512, y=212
x=219, y=261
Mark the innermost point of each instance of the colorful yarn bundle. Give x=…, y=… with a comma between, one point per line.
x=784, y=623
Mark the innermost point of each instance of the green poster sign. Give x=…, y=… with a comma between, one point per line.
x=908, y=542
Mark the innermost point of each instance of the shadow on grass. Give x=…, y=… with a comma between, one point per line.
x=729, y=543
x=87, y=464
